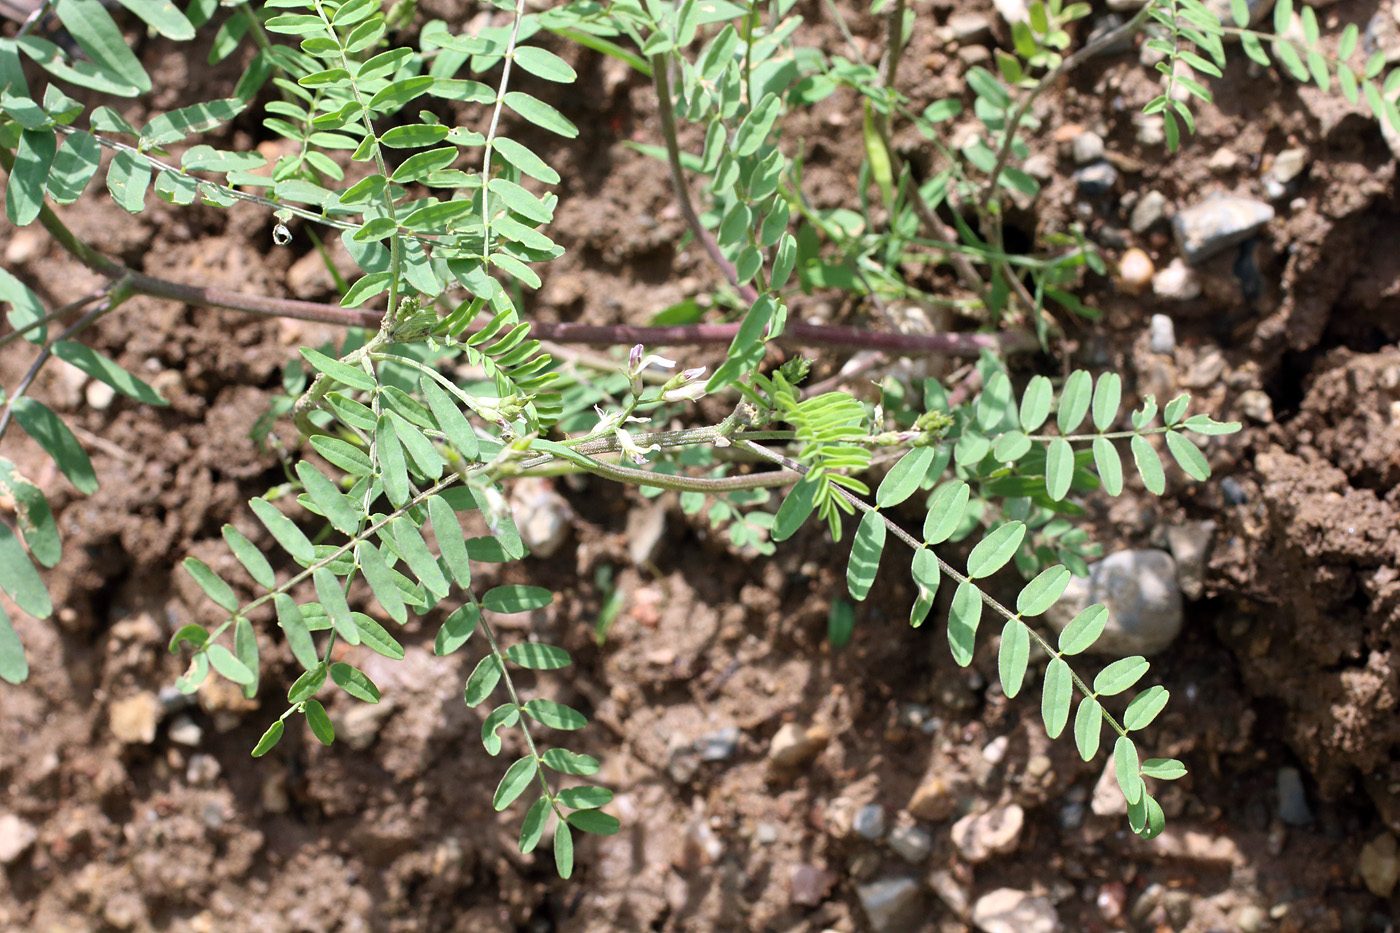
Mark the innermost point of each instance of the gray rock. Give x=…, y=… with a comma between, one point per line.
x=172, y=700
x=810, y=885
x=717, y=746
x=1039, y=166
x=1087, y=147
x=1007, y=910
x=1218, y=223
x=1143, y=599
x=16, y=836
x=981, y=836
x=1149, y=209
x=1292, y=800
x=1378, y=865
x=1233, y=491
x=1162, y=335
x=1072, y=816
x=1150, y=129
x=910, y=843
x=890, y=904
x=1189, y=543
x=1097, y=179
x=359, y=726
x=870, y=821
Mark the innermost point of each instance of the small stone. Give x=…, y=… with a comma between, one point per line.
x=969, y=27
x=184, y=731
x=1292, y=800
x=810, y=885
x=910, y=843
x=25, y=244
x=1177, y=282
x=870, y=821
x=646, y=529
x=1039, y=166
x=1072, y=815
x=1013, y=11
x=1097, y=179
x=1190, y=543
x=1111, y=900
x=765, y=834
x=1108, y=797
x=542, y=515
x=1379, y=866
x=123, y=909
x=1162, y=335
x=890, y=904
x=1218, y=223
x=172, y=700
x=1135, y=271
x=1233, y=491
x=273, y=794
x=213, y=816
x=1007, y=910
x=358, y=727
x=1087, y=147
x=133, y=719
x=1256, y=405
x=99, y=395
x=717, y=746
x=1150, y=128
x=1288, y=165
x=974, y=54
x=1222, y=161
x=16, y=836
x=932, y=801
x=1037, y=766
x=1149, y=209
x=794, y=746
x=1250, y=919
x=981, y=836
x=950, y=891
x=1144, y=602
x=203, y=770
x=700, y=847
x=995, y=750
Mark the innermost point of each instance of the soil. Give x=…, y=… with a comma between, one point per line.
x=1287, y=660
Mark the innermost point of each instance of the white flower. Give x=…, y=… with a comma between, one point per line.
x=630, y=449
x=685, y=387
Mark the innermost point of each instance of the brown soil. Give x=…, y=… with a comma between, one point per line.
x=1288, y=660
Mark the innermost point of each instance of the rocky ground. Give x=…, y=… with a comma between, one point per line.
x=765, y=780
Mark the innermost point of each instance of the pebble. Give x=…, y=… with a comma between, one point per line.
x=810, y=885
x=1039, y=166
x=184, y=731
x=1233, y=492
x=99, y=395
x=1007, y=910
x=1135, y=271
x=981, y=836
x=1149, y=209
x=1087, y=147
x=1097, y=179
x=1223, y=160
x=646, y=529
x=1013, y=11
x=1379, y=866
x=25, y=244
x=542, y=515
x=359, y=726
x=911, y=843
x=1288, y=165
x=172, y=700
x=870, y=821
x=1292, y=800
x=890, y=904
x=1162, y=334
x=1250, y=919
x=765, y=834
x=1150, y=129
x=932, y=801
x=950, y=891
x=203, y=770
x=717, y=746
x=968, y=27
x=1189, y=543
x=1072, y=815
x=133, y=719
x=1256, y=405
x=1144, y=602
x=794, y=746
x=1108, y=797
x=1218, y=223
x=16, y=836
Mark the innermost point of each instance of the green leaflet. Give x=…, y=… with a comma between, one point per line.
x=332, y=596
x=502, y=717
x=540, y=114
x=1013, y=656
x=284, y=530
x=532, y=829
x=1056, y=697
x=456, y=629
x=73, y=167
x=1042, y=592
x=1145, y=707
x=1149, y=465
x=537, y=656
x=97, y=34
x=1120, y=675
x=319, y=722
x=105, y=370
x=866, y=548
x=341, y=372
x=516, y=598
x=419, y=559
x=229, y=666
x=553, y=714
x=40, y=423
x=517, y=777
x=482, y=681
x=1125, y=761
x=269, y=739
x=13, y=666
x=381, y=581
x=33, y=516
x=213, y=586
x=963, y=617
x=295, y=630
x=1074, y=401
x=946, y=512
x=1088, y=727
x=245, y=648
x=995, y=550
x=563, y=850
x=1036, y=403
x=24, y=190
x=1084, y=629
x=1059, y=468
x=354, y=682
x=904, y=478
x=332, y=503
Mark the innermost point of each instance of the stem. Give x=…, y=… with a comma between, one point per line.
x=659, y=65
